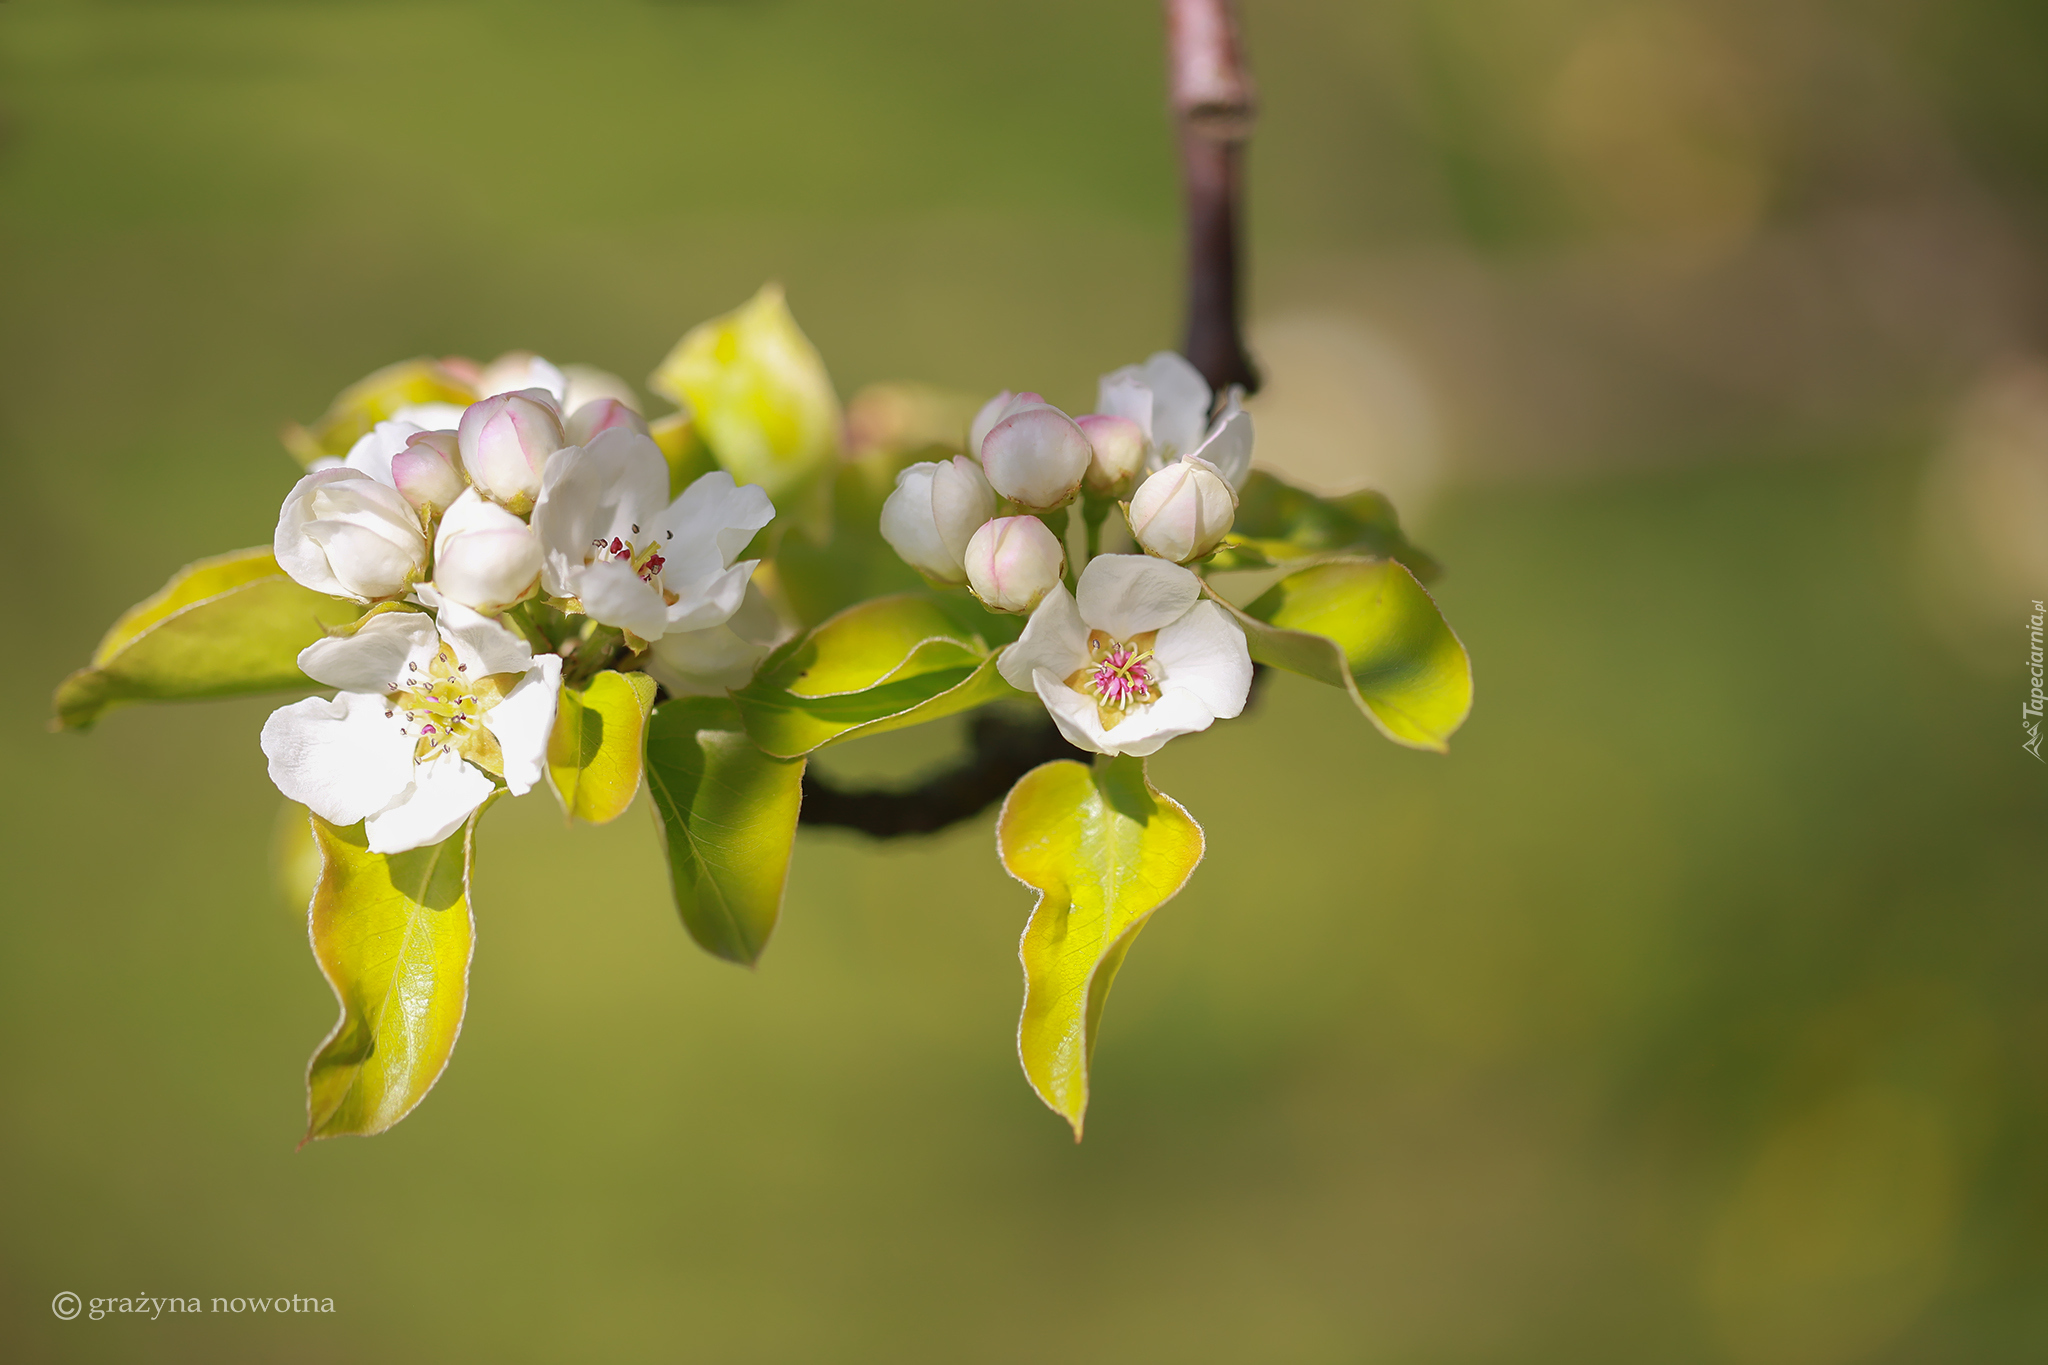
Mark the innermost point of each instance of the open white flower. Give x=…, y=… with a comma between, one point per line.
x=612, y=540
x=1169, y=400
x=1134, y=658
x=428, y=713
x=343, y=533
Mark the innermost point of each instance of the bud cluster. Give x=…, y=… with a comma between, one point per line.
x=1152, y=448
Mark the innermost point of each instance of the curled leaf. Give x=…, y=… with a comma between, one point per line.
x=594, y=750
x=1104, y=849
x=221, y=627
x=1367, y=626
x=392, y=933
x=728, y=813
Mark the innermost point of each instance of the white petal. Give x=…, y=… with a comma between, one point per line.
x=992, y=412
x=1055, y=639
x=714, y=602
x=523, y=720
x=366, y=563
x=1072, y=712
x=372, y=452
x=613, y=593
x=1123, y=393
x=594, y=492
x=910, y=528
x=374, y=657
x=302, y=560
x=1204, y=653
x=1229, y=446
x=714, y=509
x=340, y=758
x=483, y=643
x=706, y=663
x=1180, y=402
x=1146, y=729
x=1127, y=595
x=443, y=792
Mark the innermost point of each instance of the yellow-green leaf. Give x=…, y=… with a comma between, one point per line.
x=1104, y=849
x=1277, y=523
x=728, y=813
x=370, y=400
x=594, y=751
x=221, y=627
x=392, y=934
x=758, y=394
x=1367, y=626
x=879, y=666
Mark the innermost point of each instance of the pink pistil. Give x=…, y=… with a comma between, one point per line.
x=1121, y=678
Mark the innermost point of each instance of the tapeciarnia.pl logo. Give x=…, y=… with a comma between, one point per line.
x=2030, y=713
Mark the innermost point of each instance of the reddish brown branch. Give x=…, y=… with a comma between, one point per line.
x=1214, y=107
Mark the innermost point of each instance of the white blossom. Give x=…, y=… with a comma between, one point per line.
x=1133, y=659
x=613, y=541
x=342, y=532
x=933, y=511
x=428, y=713
x=1170, y=401
x=506, y=440
x=711, y=661
x=1013, y=562
x=484, y=557
x=1183, y=512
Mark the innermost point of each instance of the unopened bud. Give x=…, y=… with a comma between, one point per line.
x=1013, y=562
x=934, y=511
x=341, y=532
x=1183, y=512
x=505, y=442
x=428, y=472
x=1036, y=457
x=1118, y=444
x=601, y=414
x=484, y=557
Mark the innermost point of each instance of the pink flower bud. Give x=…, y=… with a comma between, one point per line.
x=1118, y=444
x=1013, y=562
x=505, y=442
x=1036, y=457
x=1183, y=512
x=601, y=414
x=428, y=472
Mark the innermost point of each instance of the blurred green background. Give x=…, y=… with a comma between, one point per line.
x=1694, y=1009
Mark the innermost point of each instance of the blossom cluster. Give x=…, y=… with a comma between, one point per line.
x=447, y=521
x=1133, y=656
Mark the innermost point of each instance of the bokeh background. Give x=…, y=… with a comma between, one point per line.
x=1694, y=1009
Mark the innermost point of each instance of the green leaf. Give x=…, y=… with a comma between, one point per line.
x=758, y=394
x=220, y=627
x=392, y=933
x=728, y=812
x=1367, y=626
x=879, y=666
x=1277, y=523
x=594, y=751
x=370, y=400
x=847, y=561
x=1104, y=849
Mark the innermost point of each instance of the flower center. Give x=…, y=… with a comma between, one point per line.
x=646, y=560
x=439, y=705
x=1120, y=675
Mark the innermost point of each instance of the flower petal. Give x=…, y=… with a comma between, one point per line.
x=1205, y=654
x=1229, y=445
x=613, y=593
x=714, y=601
x=1055, y=640
x=1073, y=713
x=483, y=643
x=716, y=510
x=1124, y=393
x=372, y=452
x=443, y=792
x=1127, y=595
x=1180, y=402
x=523, y=720
x=340, y=758
x=709, y=662
x=1146, y=729
x=596, y=491
x=372, y=659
